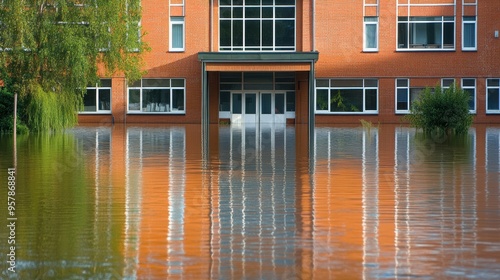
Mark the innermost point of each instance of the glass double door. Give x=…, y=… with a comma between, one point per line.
x=258, y=107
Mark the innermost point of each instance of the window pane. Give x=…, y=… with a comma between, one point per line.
x=267, y=12
x=402, y=35
x=250, y=103
x=448, y=35
x=155, y=82
x=346, y=100
x=371, y=83
x=225, y=99
x=402, y=99
x=285, y=33
x=89, y=101
x=258, y=77
x=290, y=101
x=252, y=12
x=371, y=36
x=322, y=99
x=155, y=100
x=105, y=99
x=493, y=99
x=237, y=33
x=237, y=103
x=225, y=13
x=493, y=82
x=266, y=103
x=252, y=33
x=228, y=77
x=447, y=82
x=267, y=33
x=105, y=82
x=237, y=12
x=178, y=99
x=288, y=12
x=371, y=99
x=323, y=83
x=134, y=98
x=279, y=102
x=472, y=95
x=225, y=33
x=469, y=35
x=177, y=82
x=402, y=82
x=285, y=2
x=177, y=36
x=469, y=82
x=347, y=83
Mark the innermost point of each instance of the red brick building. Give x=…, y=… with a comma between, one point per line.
x=304, y=61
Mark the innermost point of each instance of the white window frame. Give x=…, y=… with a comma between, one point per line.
x=488, y=87
x=177, y=21
x=170, y=110
x=97, y=89
x=274, y=19
x=422, y=20
x=446, y=83
x=364, y=88
x=407, y=88
x=368, y=21
x=468, y=89
x=468, y=20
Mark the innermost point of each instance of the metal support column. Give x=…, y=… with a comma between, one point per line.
x=205, y=121
x=312, y=120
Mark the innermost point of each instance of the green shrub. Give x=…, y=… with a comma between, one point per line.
x=441, y=111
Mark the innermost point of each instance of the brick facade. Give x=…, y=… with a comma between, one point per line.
x=333, y=29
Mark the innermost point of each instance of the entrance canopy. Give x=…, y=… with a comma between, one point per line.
x=261, y=61
x=255, y=61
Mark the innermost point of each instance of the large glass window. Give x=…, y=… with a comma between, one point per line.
x=97, y=99
x=493, y=96
x=257, y=25
x=426, y=33
x=164, y=96
x=334, y=96
x=469, y=37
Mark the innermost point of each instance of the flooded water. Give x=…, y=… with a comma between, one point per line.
x=129, y=202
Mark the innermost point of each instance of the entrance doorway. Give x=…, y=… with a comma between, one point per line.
x=258, y=107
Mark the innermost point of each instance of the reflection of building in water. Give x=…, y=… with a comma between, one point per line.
x=154, y=205
x=346, y=172
x=426, y=217
x=380, y=203
x=254, y=221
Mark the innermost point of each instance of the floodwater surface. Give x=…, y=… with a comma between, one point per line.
x=135, y=202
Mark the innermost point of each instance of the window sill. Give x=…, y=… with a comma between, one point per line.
x=95, y=113
x=345, y=113
x=425, y=50
x=157, y=113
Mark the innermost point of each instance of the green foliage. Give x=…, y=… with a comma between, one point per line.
x=441, y=111
x=340, y=104
x=61, y=47
x=7, y=113
x=47, y=110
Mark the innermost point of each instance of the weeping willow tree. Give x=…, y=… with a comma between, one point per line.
x=52, y=49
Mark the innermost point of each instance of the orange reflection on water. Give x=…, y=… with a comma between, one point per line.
x=370, y=206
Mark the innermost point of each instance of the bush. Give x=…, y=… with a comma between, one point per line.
x=441, y=111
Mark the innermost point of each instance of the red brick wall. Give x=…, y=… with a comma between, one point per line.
x=339, y=40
